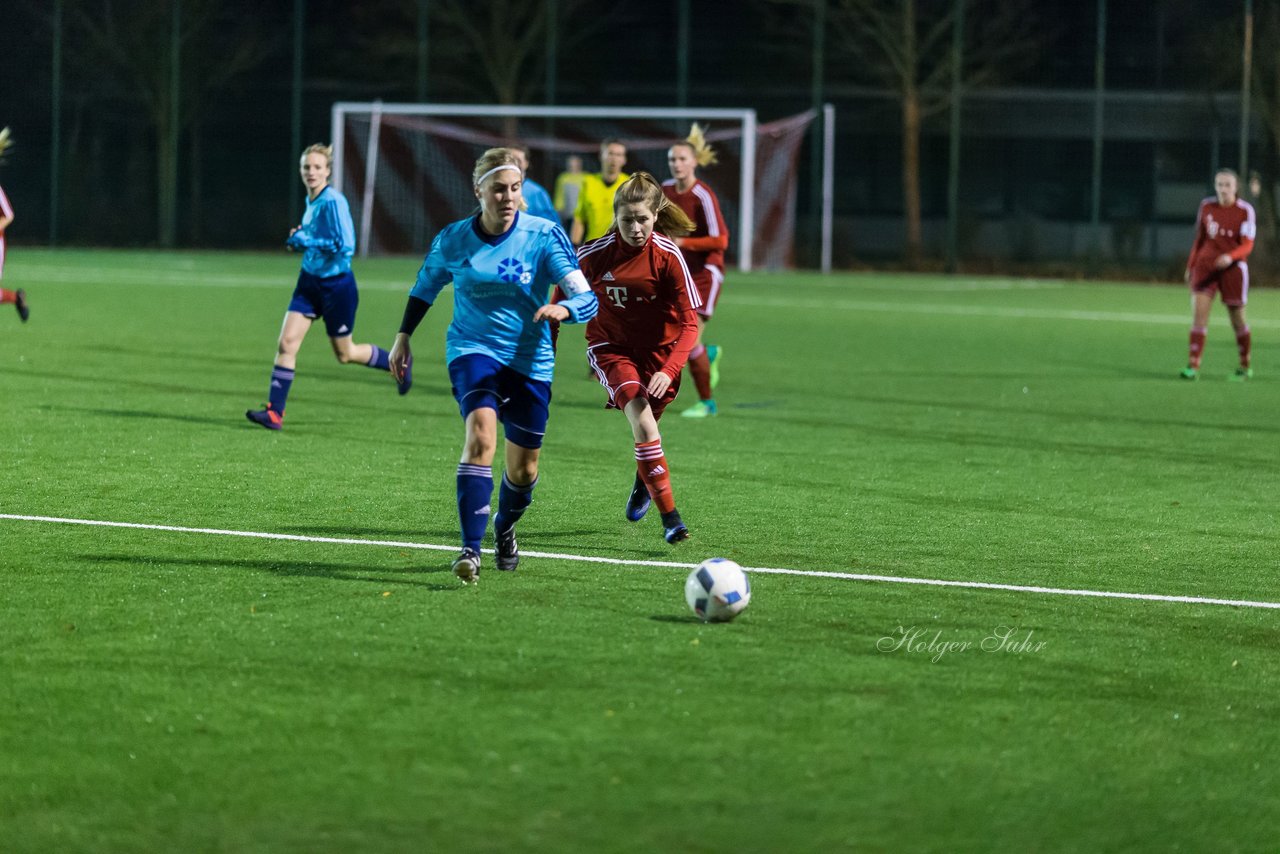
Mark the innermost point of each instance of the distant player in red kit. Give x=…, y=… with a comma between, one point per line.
x=703, y=251
x=1225, y=229
x=19, y=297
x=638, y=342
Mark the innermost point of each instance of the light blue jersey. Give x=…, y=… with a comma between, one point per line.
x=327, y=235
x=538, y=200
x=499, y=282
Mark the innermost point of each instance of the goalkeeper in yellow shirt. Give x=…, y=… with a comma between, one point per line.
x=594, y=214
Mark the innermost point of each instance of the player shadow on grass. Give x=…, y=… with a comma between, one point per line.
x=290, y=568
x=115, y=381
x=186, y=358
x=406, y=534
x=152, y=414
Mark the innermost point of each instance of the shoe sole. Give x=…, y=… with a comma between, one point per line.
x=404, y=387
x=638, y=502
x=636, y=512
x=269, y=425
x=467, y=572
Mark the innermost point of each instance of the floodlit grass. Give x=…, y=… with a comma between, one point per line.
x=185, y=691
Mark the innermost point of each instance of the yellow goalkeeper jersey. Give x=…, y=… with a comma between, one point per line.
x=595, y=204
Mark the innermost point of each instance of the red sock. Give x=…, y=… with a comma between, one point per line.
x=700, y=370
x=1196, y=349
x=652, y=466
x=8, y=296
x=1244, y=342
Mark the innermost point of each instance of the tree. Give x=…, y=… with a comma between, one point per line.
x=134, y=44
x=1266, y=97
x=1218, y=54
x=491, y=52
x=905, y=46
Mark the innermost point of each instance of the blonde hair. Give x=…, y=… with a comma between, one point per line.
x=643, y=188
x=6, y=142
x=319, y=148
x=696, y=142
x=493, y=158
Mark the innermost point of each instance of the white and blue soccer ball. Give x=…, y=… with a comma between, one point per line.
x=718, y=590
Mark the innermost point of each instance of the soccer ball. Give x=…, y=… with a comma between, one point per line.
x=718, y=590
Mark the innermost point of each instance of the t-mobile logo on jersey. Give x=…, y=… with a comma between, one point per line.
x=618, y=295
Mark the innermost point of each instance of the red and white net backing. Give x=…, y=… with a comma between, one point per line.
x=419, y=179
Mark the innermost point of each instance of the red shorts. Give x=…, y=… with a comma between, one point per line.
x=1232, y=283
x=625, y=374
x=708, y=281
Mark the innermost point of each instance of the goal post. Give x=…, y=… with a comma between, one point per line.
x=405, y=168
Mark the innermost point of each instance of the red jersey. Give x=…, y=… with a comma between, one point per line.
x=647, y=299
x=1222, y=230
x=705, y=246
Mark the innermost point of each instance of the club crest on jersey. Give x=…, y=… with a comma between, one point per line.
x=510, y=270
x=1211, y=226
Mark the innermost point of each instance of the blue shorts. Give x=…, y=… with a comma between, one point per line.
x=481, y=381
x=334, y=298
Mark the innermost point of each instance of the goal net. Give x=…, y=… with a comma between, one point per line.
x=406, y=168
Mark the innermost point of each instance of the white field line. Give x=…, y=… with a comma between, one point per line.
x=978, y=310
x=180, y=278
x=846, y=576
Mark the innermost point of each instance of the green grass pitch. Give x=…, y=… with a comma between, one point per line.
x=181, y=691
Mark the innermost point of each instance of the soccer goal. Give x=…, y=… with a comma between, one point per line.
x=406, y=168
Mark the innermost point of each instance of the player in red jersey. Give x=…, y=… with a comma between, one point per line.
x=18, y=297
x=1225, y=230
x=703, y=252
x=638, y=342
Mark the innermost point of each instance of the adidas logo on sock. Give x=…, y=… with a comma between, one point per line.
x=607, y=277
x=483, y=511
x=276, y=384
x=657, y=471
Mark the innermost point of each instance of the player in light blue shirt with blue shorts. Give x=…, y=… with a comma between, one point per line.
x=502, y=264
x=326, y=288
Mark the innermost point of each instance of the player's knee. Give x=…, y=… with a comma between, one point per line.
x=524, y=472
x=479, y=446
x=624, y=394
x=288, y=345
x=343, y=350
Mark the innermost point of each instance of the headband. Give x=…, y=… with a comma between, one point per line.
x=498, y=168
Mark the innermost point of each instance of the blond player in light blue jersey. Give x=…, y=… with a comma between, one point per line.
x=502, y=264
x=326, y=288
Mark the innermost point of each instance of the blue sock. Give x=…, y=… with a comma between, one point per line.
x=512, y=502
x=378, y=358
x=281, y=380
x=475, y=486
